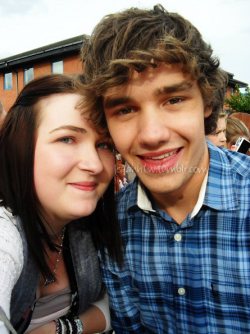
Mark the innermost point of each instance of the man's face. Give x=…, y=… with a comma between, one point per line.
x=157, y=124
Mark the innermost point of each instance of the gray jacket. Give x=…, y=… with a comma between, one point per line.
x=85, y=264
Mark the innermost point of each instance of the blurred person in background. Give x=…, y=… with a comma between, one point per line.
x=235, y=128
x=218, y=136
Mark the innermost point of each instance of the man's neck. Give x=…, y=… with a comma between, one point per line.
x=178, y=204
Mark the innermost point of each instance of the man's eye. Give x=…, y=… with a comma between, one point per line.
x=66, y=140
x=175, y=100
x=125, y=111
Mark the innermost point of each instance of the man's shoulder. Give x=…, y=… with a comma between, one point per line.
x=128, y=194
x=126, y=203
x=234, y=162
x=239, y=163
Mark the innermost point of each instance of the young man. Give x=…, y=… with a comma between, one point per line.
x=185, y=220
x=218, y=137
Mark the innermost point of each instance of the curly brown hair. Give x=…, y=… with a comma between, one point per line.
x=126, y=41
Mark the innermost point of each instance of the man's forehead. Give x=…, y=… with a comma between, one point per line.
x=148, y=75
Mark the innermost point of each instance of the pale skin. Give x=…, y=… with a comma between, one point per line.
x=157, y=124
x=81, y=165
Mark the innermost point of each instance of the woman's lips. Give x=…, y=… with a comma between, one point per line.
x=85, y=186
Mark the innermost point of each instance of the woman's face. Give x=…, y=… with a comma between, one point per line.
x=73, y=164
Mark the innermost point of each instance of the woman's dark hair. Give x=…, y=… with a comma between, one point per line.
x=17, y=190
x=136, y=39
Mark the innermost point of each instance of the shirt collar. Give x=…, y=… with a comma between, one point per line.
x=201, y=197
x=143, y=201
x=145, y=204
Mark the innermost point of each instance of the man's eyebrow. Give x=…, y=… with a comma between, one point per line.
x=111, y=102
x=69, y=127
x=182, y=86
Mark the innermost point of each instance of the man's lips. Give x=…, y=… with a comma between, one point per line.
x=85, y=186
x=158, y=155
x=160, y=162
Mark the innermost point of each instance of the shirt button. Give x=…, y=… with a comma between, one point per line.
x=181, y=291
x=177, y=237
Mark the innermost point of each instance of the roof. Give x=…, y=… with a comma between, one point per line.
x=233, y=82
x=61, y=48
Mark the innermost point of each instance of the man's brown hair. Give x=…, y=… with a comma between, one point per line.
x=136, y=39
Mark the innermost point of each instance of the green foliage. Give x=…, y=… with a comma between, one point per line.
x=238, y=101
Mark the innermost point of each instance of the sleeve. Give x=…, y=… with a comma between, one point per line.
x=11, y=259
x=125, y=315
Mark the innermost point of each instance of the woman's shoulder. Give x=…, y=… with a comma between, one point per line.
x=11, y=257
x=6, y=215
x=11, y=241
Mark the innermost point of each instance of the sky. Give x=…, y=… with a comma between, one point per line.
x=29, y=24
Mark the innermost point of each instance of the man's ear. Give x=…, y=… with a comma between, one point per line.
x=207, y=112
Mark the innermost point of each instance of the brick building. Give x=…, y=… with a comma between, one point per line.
x=17, y=70
x=60, y=57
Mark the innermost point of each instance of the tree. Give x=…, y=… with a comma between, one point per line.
x=238, y=101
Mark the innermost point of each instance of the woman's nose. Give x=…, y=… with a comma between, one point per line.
x=90, y=161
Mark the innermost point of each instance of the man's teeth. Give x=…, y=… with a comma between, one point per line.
x=163, y=156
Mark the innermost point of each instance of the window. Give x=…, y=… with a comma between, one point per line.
x=7, y=81
x=57, y=66
x=28, y=74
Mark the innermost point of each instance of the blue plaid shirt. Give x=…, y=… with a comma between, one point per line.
x=188, y=278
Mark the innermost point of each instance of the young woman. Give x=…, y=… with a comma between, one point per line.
x=56, y=210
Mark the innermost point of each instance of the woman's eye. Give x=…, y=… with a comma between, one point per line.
x=66, y=140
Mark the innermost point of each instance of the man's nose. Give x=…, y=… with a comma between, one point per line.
x=152, y=129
